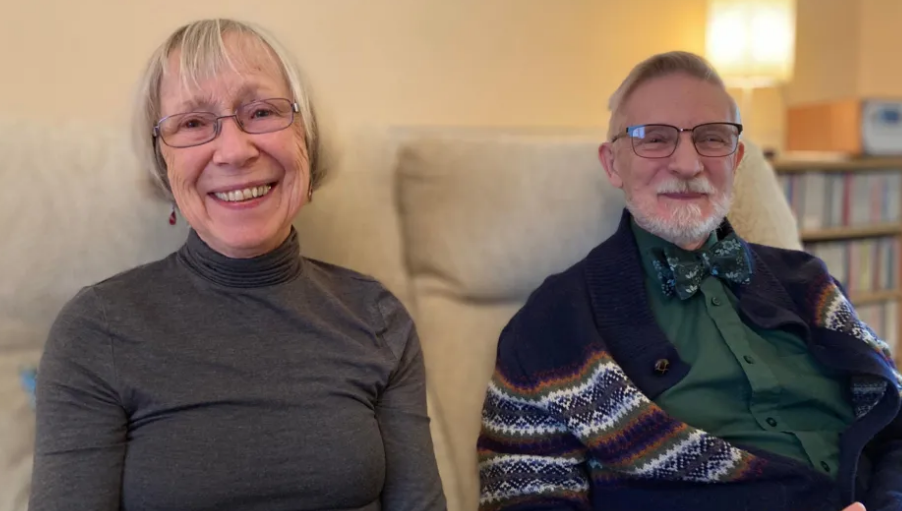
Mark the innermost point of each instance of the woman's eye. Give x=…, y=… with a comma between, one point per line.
x=193, y=123
x=262, y=112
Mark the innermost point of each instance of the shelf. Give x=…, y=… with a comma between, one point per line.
x=844, y=233
x=859, y=299
x=852, y=165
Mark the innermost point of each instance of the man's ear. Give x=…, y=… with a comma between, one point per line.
x=606, y=156
x=738, y=155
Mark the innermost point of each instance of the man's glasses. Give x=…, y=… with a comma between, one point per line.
x=661, y=140
x=195, y=128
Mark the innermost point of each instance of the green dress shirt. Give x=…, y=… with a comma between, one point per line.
x=752, y=387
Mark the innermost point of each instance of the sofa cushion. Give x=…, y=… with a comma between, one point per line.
x=76, y=209
x=760, y=212
x=352, y=220
x=460, y=357
x=19, y=353
x=487, y=218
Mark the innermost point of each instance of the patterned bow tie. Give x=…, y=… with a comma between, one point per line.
x=682, y=272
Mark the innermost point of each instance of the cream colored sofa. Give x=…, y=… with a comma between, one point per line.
x=460, y=223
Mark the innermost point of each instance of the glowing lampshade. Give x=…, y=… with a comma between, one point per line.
x=751, y=43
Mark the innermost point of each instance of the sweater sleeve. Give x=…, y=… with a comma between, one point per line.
x=411, y=473
x=885, y=493
x=528, y=459
x=81, y=425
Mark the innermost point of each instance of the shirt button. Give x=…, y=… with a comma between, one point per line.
x=716, y=301
x=772, y=422
x=748, y=359
x=825, y=466
x=662, y=366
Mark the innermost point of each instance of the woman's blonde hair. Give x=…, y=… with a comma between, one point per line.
x=204, y=54
x=657, y=66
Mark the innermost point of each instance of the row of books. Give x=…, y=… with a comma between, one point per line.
x=882, y=317
x=861, y=265
x=843, y=199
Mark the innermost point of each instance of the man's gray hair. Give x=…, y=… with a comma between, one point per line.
x=657, y=66
x=204, y=54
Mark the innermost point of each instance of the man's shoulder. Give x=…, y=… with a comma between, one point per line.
x=554, y=300
x=552, y=329
x=788, y=264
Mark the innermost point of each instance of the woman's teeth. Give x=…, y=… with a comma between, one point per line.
x=243, y=195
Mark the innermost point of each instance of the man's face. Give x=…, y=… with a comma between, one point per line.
x=676, y=193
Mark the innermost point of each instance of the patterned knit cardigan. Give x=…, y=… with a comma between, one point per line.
x=569, y=421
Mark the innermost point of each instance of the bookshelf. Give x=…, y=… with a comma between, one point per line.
x=849, y=214
x=852, y=232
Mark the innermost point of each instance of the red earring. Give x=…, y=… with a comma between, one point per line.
x=172, y=217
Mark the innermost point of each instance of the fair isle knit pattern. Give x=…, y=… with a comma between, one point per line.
x=834, y=312
x=622, y=432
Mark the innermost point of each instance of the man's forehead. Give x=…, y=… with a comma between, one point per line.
x=678, y=99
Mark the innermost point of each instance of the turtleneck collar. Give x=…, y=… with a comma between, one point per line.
x=275, y=267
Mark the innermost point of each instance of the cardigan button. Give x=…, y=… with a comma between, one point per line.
x=825, y=466
x=662, y=366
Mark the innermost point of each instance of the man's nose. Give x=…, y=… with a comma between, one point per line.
x=685, y=160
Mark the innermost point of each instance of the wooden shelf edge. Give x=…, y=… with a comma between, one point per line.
x=885, y=295
x=851, y=165
x=843, y=233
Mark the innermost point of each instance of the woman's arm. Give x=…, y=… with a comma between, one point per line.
x=411, y=473
x=81, y=424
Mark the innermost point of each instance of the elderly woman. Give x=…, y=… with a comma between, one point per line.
x=233, y=374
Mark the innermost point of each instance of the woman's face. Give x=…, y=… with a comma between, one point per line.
x=239, y=191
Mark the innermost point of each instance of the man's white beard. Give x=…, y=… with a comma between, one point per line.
x=686, y=225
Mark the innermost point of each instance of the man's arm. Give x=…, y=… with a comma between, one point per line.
x=527, y=457
x=885, y=491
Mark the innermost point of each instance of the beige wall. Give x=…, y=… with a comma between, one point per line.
x=376, y=63
x=371, y=62
x=828, y=46
x=880, y=67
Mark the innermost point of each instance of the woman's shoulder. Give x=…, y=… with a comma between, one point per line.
x=340, y=278
x=137, y=279
x=348, y=284
x=361, y=292
x=135, y=285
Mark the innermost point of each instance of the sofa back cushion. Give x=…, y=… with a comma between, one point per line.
x=75, y=209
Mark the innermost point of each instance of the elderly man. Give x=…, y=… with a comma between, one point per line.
x=677, y=366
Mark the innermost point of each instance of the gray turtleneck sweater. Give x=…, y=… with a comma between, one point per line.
x=200, y=382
